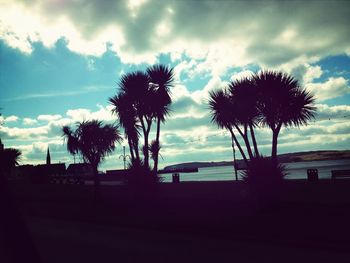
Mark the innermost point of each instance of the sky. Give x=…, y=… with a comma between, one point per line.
x=61, y=60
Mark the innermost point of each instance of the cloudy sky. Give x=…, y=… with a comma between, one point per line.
x=61, y=60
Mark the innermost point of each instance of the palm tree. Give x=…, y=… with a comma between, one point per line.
x=135, y=86
x=162, y=78
x=282, y=102
x=244, y=96
x=9, y=159
x=223, y=114
x=93, y=141
x=128, y=120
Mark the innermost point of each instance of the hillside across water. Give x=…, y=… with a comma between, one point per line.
x=284, y=158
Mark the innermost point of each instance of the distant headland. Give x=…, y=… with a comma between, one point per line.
x=284, y=158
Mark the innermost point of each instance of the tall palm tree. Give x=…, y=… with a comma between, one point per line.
x=224, y=115
x=138, y=88
x=282, y=102
x=140, y=94
x=162, y=77
x=93, y=141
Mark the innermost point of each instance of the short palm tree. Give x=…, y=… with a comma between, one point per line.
x=223, y=114
x=93, y=141
x=9, y=159
x=162, y=77
x=244, y=96
x=282, y=102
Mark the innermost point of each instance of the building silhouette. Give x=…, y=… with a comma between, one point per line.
x=48, y=157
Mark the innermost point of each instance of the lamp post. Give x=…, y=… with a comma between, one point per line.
x=124, y=156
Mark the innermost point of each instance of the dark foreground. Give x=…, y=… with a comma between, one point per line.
x=188, y=222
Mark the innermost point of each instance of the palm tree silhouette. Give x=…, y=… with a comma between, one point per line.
x=126, y=114
x=244, y=97
x=135, y=86
x=162, y=78
x=9, y=159
x=93, y=141
x=224, y=115
x=282, y=102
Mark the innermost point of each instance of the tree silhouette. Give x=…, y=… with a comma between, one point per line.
x=135, y=86
x=93, y=141
x=162, y=78
x=244, y=97
x=269, y=98
x=9, y=159
x=223, y=114
x=282, y=102
x=127, y=117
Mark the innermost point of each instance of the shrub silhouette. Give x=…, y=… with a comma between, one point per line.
x=264, y=177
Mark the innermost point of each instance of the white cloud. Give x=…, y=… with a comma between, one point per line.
x=48, y=118
x=332, y=88
x=29, y=121
x=179, y=91
x=202, y=96
x=334, y=113
x=103, y=114
x=11, y=118
x=242, y=74
x=312, y=72
x=23, y=133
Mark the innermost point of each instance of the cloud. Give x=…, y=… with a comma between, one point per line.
x=334, y=113
x=222, y=34
x=23, y=133
x=332, y=88
x=202, y=96
x=103, y=114
x=11, y=118
x=49, y=118
x=29, y=121
x=242, y=74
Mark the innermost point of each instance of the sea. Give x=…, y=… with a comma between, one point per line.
x=297, y=170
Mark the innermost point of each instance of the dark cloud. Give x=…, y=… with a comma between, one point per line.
x=270, y=32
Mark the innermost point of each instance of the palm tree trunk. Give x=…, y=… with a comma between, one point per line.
x=155, y=168
x=149, y=123
x=136, y=148
x=145, y=137
x=254, y=140
x=131, y=149
x=275, y=133
x=238, y=145
x=274, y=146
x=246, y=140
